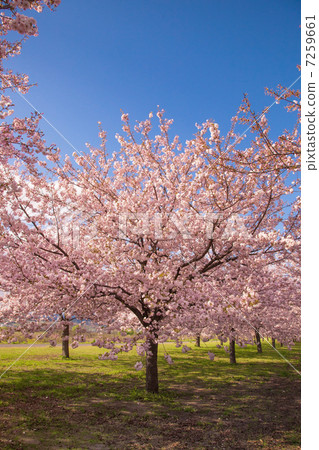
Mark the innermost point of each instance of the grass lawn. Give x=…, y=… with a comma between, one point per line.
x=84, y=403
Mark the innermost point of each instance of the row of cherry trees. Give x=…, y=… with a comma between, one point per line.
x=165, y=237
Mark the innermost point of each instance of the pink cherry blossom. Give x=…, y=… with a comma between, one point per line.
x=138, y=365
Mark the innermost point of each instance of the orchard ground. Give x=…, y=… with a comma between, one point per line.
x=52, y=403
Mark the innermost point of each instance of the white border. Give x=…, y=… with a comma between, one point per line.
x=310, y=244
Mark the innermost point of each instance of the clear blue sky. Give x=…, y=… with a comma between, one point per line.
x=194, y=58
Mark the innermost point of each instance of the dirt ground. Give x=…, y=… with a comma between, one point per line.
x=242, y=416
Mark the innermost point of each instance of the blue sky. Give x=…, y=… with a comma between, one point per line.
x=194, y=58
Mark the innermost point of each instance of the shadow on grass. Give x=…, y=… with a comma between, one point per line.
x=47, y=402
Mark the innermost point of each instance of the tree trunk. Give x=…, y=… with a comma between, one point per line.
x=281, y=344
x=258, y=342
x=197, y=340
x=65, y=342
x=232, y=354
x=151, y=367
x=273, y=342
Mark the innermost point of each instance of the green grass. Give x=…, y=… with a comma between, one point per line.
x=83, y=402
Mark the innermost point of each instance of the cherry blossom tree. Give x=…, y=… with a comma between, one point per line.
x=150, y=219
x=166, y=228
x=159, y=235
x=20, y=138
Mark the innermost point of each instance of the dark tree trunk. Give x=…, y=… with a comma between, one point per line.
x=151, y=367
x=232, y=354
x=258, y=342
x=198, y=340
x=281, y=344
x=273, y=342
x=65, y=342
